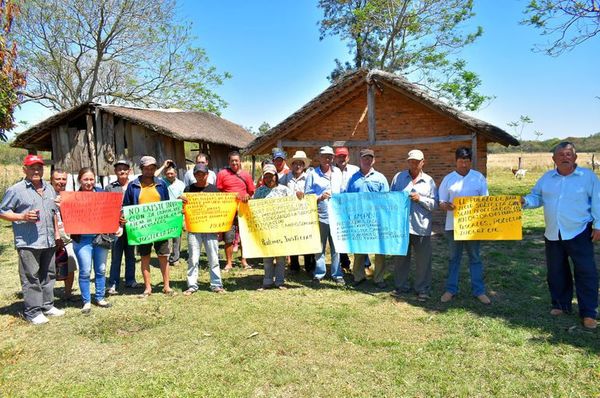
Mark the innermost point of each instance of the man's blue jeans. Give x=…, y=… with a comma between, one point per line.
x=560, y=279
x=475, y=264
x=88, y=255
x=320, y=268
x=120, y=248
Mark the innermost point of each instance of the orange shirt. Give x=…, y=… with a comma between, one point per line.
x=149, y=194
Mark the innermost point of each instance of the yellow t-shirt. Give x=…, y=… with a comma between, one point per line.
x=149, y=194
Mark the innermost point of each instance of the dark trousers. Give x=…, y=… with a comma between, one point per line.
x=560, y=279
x=175, y=249
x=309, y=263
x=38, y=274
x=345, y=260
x=120, y=248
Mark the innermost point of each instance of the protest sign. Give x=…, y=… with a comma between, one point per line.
x=279, y=227
x=152, y=222
x=90, y=212
x=209, y=212
x=487, y=218
x=370, y=222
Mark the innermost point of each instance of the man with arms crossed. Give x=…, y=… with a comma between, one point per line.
x=571, y=198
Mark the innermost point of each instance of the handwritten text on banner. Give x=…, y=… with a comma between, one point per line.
x=209, y=212
x=487, y=218
x=90, y=212
x=279, y=227
x=370, y=222
x=152, y=222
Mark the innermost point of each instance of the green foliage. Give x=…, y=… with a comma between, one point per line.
x=419, y=39
x=566, y=23
x=119, y=51
x=589, y=144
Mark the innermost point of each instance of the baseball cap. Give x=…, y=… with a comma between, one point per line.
x=121, y=161
x=367, y=152
x=147, y=161
x=416, y=155
x=341, y=151
x=32, y=159
x=326, y=150
x=200, y=168
x=269, y=169
x=279, y=154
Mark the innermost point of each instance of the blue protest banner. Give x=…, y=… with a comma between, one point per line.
x=370, y=222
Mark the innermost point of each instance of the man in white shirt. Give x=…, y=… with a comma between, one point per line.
x=462, y=182
x=571, y=198
x=201, y=158
x=341, y=159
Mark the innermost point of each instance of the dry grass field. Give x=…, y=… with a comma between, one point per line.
x=541, y=161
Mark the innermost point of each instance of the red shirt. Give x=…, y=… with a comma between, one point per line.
x=228, y=181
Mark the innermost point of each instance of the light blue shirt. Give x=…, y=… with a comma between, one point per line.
x=175, y=188
x=421, y=211
x=318, y=182
x=373, y=181
x=454, y=185
x=570, y=202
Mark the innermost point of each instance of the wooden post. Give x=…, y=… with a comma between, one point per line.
x=371, y=113
x=519, y=166
x=474, y=149
x=253, y=167
x=90, y=132
x=593, y=162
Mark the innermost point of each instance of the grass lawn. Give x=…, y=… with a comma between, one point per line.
x=327, y=341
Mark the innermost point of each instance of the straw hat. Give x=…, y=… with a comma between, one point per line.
x=300, y=155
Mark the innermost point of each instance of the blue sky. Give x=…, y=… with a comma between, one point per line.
x=273, y=51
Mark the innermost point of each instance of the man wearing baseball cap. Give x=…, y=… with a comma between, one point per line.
x=367, y=179
x=341, y=158
x=149, y=189
x=423, y=196
x=324, y=181
x=30, y=206
x=280, y=164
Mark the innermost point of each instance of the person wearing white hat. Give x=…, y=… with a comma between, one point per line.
x=324, y=181
x=423, y=200
x=296, y=181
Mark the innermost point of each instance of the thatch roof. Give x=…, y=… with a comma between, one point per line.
x=193, y=126
x=329, y=99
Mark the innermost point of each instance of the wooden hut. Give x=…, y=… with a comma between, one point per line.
x=96, y=135
x=388, y=114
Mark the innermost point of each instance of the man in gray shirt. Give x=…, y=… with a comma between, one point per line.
x=30, y=206
x=423, y=196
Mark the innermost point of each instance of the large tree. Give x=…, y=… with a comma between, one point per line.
x=566, y=23
x=416, y=38
x=115, y=51
x=11, y=79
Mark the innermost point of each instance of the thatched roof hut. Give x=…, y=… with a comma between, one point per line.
x=96, y=135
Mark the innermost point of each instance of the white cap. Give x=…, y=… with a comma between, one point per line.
x=326, y=150
x=415, y=154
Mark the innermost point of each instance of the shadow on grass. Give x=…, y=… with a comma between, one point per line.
x=515, y=275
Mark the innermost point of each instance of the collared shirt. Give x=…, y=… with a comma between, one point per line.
x=189, y=179
x=373, y=181
x=570, y=202
x=318, y=182
x=347, y=173
x=279, y=191
x=295, y=184
x=175, y=188
x=454, y=185
x=23, y=197
x=421, y=211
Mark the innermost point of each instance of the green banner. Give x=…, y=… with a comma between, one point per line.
x=152, y=222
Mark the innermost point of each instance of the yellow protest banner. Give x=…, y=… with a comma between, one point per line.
x=209, y=211
x=488, y=218
x=279, y=227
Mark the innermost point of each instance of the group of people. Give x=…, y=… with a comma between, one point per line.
x=570, y=195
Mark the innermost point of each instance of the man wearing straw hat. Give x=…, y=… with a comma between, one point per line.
x=296, y=181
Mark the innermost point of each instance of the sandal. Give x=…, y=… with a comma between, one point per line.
x=189, y=292
x=227, y=268
x=144, y=295
x=169, y=292
x=248, y=267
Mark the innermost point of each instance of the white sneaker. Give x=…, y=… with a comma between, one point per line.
x=87, y=308
x=40, y=319
x=54, y=312
x=112, y=291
